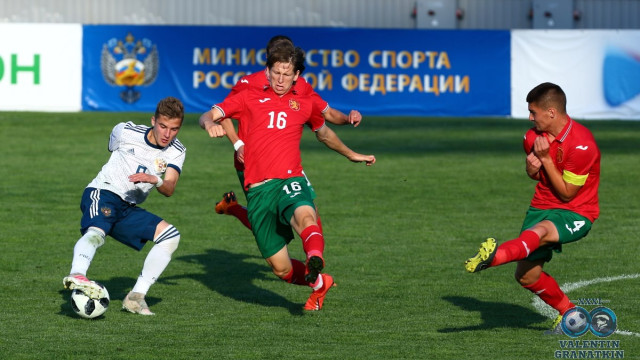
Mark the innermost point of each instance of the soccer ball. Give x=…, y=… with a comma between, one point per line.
x=87, y=307
x=575, y=321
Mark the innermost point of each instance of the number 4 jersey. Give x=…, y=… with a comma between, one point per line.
x=575, y=153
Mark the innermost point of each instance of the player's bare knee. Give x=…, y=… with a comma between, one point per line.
x=281, y=273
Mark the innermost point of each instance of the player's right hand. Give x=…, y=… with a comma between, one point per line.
x=214, y=129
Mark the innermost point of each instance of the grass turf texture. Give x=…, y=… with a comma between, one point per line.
x=397, y=235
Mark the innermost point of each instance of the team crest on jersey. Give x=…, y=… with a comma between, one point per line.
x=160, y=165
x=294, y=105
x=106, y=211
x=559, y=155
x=129, y=63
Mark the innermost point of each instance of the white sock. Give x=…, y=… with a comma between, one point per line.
x=85, y=249
x=158, y=258
x=318, y=284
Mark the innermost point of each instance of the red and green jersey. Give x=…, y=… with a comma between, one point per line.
x=260, y=80
x=575, y=153
x=272, y=128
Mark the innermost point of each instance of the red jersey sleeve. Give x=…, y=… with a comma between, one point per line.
x=316, y=121
x=233, y=105
x=580, y=159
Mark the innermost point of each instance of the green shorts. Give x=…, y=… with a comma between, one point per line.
x=270, y=208
x=241, y=178
x=571, y=227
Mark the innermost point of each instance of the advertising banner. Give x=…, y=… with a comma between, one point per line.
x=599, y=70
x=40, y=67
x=378, y=72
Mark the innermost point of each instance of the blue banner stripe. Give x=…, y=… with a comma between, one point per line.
x=378, y=72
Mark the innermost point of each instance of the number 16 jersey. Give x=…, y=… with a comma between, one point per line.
x=272, y=130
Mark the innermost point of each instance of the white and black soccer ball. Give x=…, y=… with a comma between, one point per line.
x=87, y=307
x=576, y=321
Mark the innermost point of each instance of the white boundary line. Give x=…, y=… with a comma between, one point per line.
x=549, y=312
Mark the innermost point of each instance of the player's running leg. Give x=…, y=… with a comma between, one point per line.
x=229, y=206
x=83, y=253
x=482, y=259
x=165, y=243
x=324, y=284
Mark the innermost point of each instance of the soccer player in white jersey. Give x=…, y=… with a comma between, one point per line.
x=142, y=159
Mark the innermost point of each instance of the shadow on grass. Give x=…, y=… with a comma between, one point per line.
x=231, y=275
x=495, y=315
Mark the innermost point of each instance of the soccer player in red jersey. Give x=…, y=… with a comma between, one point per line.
x=278, y=194
x=229, y=204
x=563, y=157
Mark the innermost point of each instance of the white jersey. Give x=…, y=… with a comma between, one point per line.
x=131, y=152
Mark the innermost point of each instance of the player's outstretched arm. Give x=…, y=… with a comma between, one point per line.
x=333, y=142
x=209, y=122
x=337, y=117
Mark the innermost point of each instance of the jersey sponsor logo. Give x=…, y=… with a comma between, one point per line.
x=131, y=151
x=582, y=147
x=264, y=100
x=128, y=63
x=295, y=194
x=294, y=105
x=244, y=81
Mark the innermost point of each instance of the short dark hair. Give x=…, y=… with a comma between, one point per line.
x=170, y=107
x=275, y=41
x=547, y=95
x=299, y=60
x=284, y=53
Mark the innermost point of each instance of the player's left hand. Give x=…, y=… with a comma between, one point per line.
x=541, y=147
x=368, y=159
x=355, y=118
x=240, y=154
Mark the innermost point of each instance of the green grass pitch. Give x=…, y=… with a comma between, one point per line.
x=397, y=234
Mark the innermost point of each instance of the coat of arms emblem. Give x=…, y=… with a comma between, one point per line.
x=129, y=63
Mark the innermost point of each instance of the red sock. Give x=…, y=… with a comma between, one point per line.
x=296, y=275
x=516, y=249
x=240, y=212
x=548, y=290
x=319, y=222
x=312, y=241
